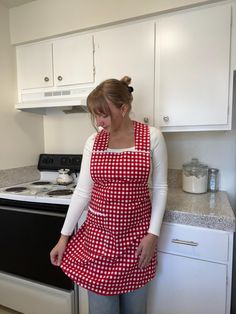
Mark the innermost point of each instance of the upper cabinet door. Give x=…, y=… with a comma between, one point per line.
x=129, y=50
x=193, y=66
x=73, y=60
x=34, y=65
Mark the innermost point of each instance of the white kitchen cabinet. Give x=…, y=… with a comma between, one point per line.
x=73, y=60
x=195, y=287
x=60, y=62
x=193, y=69
x=34, y=66
x=194, y=271
x=129, y=50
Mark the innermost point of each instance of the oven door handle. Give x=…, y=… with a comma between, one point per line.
x=30, y=211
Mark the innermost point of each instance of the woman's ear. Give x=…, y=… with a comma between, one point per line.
x=124, y=109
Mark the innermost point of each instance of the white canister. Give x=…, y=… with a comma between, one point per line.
x=195, y=177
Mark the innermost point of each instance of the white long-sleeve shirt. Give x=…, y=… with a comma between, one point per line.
x=157, y=183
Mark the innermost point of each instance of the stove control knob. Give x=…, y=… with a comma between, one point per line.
x=45, y=161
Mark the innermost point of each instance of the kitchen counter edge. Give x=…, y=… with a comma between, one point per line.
x=208, y=210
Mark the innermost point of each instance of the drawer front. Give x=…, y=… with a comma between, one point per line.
x=195, y=242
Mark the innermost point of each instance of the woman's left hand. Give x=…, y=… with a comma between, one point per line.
x=146, y=249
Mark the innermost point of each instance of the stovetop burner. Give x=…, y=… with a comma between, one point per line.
x=41, y=183
x=60, y=192
x=16, y=189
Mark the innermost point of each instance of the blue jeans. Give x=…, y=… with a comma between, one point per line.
x=128, y=303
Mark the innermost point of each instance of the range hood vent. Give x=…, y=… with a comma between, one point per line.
x=57, y=93
x=39, y=102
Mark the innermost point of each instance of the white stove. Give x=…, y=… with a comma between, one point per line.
x=46, y=190
x=32, y=215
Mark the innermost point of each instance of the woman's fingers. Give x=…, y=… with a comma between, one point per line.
x=144, y=256
x=54, y=257
x=144, y=260
x=146, y=250
x=57, y=252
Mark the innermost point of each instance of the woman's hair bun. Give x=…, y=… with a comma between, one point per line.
x=126, y=79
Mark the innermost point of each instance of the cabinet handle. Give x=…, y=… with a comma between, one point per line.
x=166, y=118
x=46, y=79
x=191, y=243
x=60, y=78
x=146, y=120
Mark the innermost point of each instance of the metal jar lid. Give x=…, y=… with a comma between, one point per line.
x=213, y=170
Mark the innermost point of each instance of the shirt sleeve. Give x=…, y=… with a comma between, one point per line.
x=82, y=192
x=159, y=180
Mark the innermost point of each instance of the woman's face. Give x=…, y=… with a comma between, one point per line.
x=103, y=120
x=113, y=121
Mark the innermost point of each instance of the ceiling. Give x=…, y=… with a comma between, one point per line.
x=14, y=3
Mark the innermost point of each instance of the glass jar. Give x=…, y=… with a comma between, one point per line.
x=213, y=179
x=195, y=177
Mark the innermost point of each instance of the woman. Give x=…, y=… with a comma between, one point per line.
x=113, y=254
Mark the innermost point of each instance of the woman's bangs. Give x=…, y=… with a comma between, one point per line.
x=98, y=106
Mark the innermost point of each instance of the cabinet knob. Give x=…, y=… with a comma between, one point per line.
x=146, y=120
x=59, y=78
x=46, y=79
x=166, y=118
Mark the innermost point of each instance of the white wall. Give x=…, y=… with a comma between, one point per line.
x=66, y=133
x=45, y=18
x=216, y=149
x=21, y=134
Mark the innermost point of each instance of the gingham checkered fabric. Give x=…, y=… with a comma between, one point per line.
x=101, y=255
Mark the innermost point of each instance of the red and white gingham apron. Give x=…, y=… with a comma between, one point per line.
x=101, y=255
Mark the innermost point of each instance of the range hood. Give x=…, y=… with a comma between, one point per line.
x=68, y=100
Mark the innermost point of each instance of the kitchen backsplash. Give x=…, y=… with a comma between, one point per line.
x=174, y=178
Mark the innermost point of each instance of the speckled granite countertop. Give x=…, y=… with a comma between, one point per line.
x=19, y=175
x=209, y=210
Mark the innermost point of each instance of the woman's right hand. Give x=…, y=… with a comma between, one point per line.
x=57, y=252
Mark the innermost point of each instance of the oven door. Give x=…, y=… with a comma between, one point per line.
x=27, y=236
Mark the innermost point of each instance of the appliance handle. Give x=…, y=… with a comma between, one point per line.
x=184, y=242
x=30, y=211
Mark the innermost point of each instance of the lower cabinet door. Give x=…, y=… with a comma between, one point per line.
x=184, y=285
